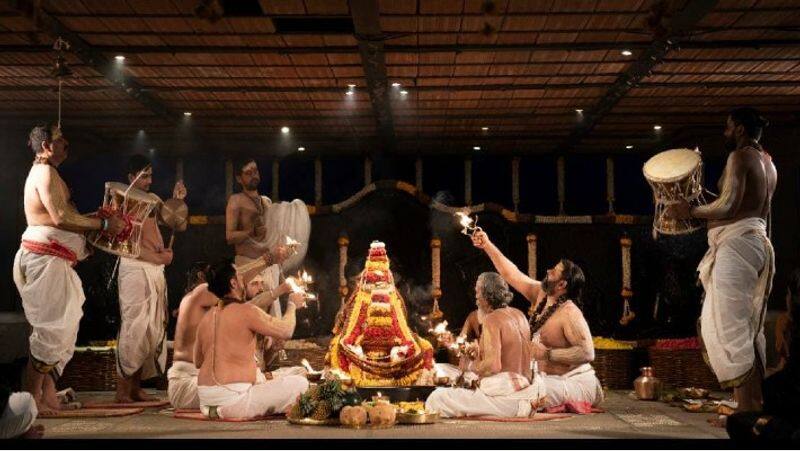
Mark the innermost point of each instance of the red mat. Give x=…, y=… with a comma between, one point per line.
x=92, y=413
x=126, y=405
x=185, y=414
x=533, y=419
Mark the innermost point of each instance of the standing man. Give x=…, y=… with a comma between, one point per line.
x=246, y=228
x=51, y=291
x=737, y=270
x=142, y=338
x=564, y=349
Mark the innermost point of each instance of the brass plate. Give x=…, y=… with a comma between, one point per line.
x=313, y=422
x=418, y=418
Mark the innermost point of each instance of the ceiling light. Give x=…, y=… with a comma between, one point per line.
x=301, y=149
x=656, y=127
x=351, y=86
x=187, y=113
x=403, y=92
x=476, y=147
x=579, y=110
x=486, y=129
x=284, y=129
x=629, y=147
x=626, y=52
x=395, y=85
x=120, y=58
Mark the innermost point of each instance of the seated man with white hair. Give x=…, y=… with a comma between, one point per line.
x=503, y=363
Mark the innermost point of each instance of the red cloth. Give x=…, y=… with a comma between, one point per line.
x=579, y=407
x=53, y=248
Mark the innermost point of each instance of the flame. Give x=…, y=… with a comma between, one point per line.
x=311, y=296
x=291, y=241
x=306, y=278
x=464, y=219
x=440, y=328
x=293, y=285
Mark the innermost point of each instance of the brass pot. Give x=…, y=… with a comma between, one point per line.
x=647, y=386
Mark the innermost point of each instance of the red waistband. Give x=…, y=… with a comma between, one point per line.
x=53, y=248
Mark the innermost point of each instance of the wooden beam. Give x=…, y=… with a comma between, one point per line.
x=680, y=24
x=459, y=48
x=366, y=23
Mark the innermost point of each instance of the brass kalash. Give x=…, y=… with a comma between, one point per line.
x=135, y=206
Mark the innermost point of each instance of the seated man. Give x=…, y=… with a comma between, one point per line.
x=503, y=363
x=564, y=349
x=256, y=293
x=471, y=330
x=230, y=384
x=182, y=375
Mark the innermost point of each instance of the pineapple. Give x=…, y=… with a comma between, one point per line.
x=314, y=393
x=296, y=412
x=322, y=411
x=306, y=406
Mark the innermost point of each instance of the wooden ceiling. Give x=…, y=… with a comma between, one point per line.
x=507, y=75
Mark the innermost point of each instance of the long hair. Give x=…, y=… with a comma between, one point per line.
x=573, y=275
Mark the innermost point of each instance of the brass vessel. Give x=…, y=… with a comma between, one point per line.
x=647, y=386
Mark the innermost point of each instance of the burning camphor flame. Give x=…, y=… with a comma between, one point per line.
x=440, y=328
x=469, y=225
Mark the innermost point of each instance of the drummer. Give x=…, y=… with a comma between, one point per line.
x=142, y=338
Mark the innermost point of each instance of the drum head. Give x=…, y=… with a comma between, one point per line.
x=671, y=165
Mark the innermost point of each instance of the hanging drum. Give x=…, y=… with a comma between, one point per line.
x=133, y=206
x=674, y=175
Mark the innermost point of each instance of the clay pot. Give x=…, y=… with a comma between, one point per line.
x=647, y=386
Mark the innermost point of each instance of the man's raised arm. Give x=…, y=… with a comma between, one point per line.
x=527, y=286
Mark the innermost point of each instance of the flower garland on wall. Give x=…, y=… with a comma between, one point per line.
x=627, y=292
x=343, y=242
x=531, y=238
x=436, y=289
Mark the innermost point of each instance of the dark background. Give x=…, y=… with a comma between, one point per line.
x=665, y=267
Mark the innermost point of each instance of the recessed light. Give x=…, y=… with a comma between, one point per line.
x=349, y=93
x=476, y=147
x=485, y=128
x=120, y=58
x=152, y=150
x=284, y=129
x=403, y=92
x=395, y=85
x=656, y=127
x=579, y=110
x=301, y=149
x=187, y=113
x=351, y=85
x=629, y=147
x=626, y=52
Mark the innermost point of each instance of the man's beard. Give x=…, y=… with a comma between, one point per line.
x=253, y=185
x=730, y=144
x=549, y=286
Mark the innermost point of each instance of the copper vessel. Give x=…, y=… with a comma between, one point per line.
x=647, y=386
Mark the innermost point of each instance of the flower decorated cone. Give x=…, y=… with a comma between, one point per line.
x=376, y=347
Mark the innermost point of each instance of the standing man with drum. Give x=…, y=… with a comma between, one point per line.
x=142, y=338
x=737, y=270
x=51, y=291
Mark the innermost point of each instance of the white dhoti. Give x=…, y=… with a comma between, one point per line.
x=18, y=416
x=736, y=273
x=242, y=400
x=578, y=385
x=142, y=338
x=182, y=385
x=52, y=295
x=502, y=395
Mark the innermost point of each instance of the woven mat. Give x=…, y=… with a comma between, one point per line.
x=125, y=405
x=533, y=419
x=92, y=413
x=196, y=415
